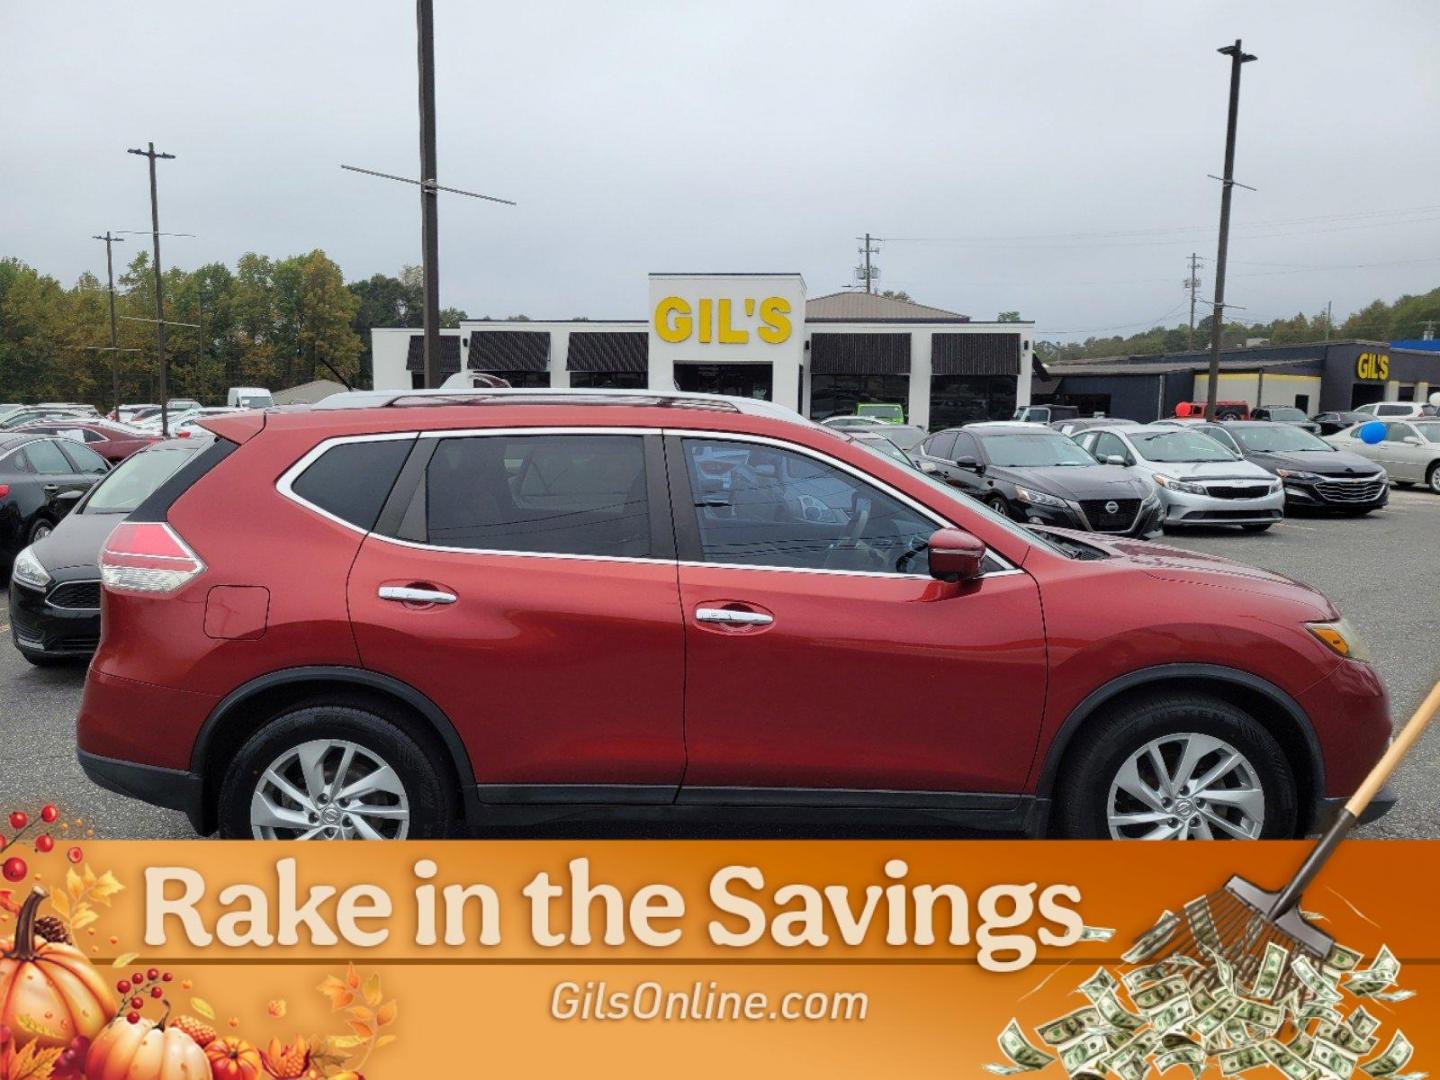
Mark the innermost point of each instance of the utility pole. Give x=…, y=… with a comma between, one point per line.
x=1328, y=318
x=867, y=272
x=1237, y=57
x=154, y=156
x=429, y=197
x=1192, y=283
x=114, y=343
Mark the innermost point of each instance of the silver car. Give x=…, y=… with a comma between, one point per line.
x=1200, y=482
x=1409, y=453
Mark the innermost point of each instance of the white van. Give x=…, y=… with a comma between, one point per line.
x=249, y=397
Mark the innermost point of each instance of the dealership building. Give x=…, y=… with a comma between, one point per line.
x=754, y=335
x=1318, y=377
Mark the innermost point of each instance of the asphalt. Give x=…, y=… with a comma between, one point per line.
x=1379, y=570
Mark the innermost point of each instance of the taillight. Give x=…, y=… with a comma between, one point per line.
x=147, y=557
x=4, y=490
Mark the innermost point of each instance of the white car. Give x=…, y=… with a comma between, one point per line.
x=1200, y=482
x=1384, y=410
x=1409, y=453
x=189, y=424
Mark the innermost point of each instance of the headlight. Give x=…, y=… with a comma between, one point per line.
x=1040, y=498
x=1178, y=485
x=1292, y=474
x=1341, y=637
x=28, y=571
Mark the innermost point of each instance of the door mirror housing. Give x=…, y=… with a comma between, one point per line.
x=1116, y=459
x=970, y=463
x=1412, y=440
x=955, y=555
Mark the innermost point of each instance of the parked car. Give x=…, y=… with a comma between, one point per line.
x=249, y=397
x=41, y=478
x=1070, y=427
x=1409, y=453
x=189, y=424
x=31, y=413
x=849, y=423
x=1331, y=422
x=873, y=440
x=604, y=573
x=1285, y=414
x=888, y=412
x=127, y=414
x=1399, y=409
x=1317, y=475
x=55, y=582
x=114, y=442
x=1200, y=481
x=1224, y=410
x=906, y=436
x=1046, y=414
x=1036, y=475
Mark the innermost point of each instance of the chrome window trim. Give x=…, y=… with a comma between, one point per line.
x=285, y=486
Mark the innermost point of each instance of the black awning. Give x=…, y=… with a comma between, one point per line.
x=975, y=354
x=449, y=353
x=610, y=353
x=509, y=350
x=860, y=354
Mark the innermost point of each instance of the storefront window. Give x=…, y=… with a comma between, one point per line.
x=736, y=380
x=608, y=380
x=956, y=400
x=837, y=395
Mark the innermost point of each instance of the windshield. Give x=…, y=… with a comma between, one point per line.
x=131, y=482
x=1282, y=439
x=254, y=401
x=905, y=436
x=885, y=412
x=1040, y=450
x=885, y=448
x=1179, y=446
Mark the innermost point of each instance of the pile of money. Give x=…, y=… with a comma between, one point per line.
x=1198, y=1012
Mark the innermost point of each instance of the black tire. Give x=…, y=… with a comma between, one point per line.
x=998, y=504
x=1090, y=765
x=38, y=526
x=1432, y=477
x=1256, y=528
x=426, y=778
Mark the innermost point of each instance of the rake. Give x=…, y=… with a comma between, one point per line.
x=1238, y=923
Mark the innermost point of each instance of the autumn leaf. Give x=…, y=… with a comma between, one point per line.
x=88, y=876
x=59, y=901
x=372, y=989
x=105, y=887
x=384, y=1040
x=386, y=1013
x=35, y=1027
x=124, y=959
x=352, y=977
x=203, y=1007
x=344, y=1042
x=33, y=1063
x=73, y=885
x=339, y=994
x=365, y=1031
x=84, y=915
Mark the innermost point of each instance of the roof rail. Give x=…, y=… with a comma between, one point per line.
x=380, y=399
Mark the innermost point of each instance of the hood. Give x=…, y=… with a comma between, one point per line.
x=1340, y=463
x=1209, y=470
x=1077, y=482
x=76, y=541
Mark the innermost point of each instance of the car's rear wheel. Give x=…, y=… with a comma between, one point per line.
x=334, y=772
x=1432, y=478
x=1177, y=766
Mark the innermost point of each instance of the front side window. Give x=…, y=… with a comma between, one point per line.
x=541, y=494
x=1106, y=445
x=45, y=457
x=759, y=505
x=942, y=446
x=1429, y=432
x=1398, y=433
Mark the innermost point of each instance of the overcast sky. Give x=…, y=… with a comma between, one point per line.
x=1050, y=157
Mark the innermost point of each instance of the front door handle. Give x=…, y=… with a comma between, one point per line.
x=407, y=594
x=733, y=616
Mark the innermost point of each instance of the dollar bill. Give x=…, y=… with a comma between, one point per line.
x=1173, y=1015
x=1102, y=982
x=1151, y=998
x=1380, y=975
x=1142, y=976
x=1241, y=1059
x=1302, y=1043
x=1223, y=971
x=1272, y=966
x=1287, y=1061
x=1192, y=1056
x=1096, y=933
x=1154, y=939
x=1392, y=996
x=1083, y=1052
x=1361, y=1022
x=1317, y=1010
x=1342, y=959
x=1318, y=986
x=1023, y=1057
x=1332, y=1059
x=1069, y=1027
x=1396, y=1056
x=1213, y=1019
x=1267, y=1017
x=1115, y=1014
x=1345, y=1037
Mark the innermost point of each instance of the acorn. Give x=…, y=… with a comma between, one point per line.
x=52, y=929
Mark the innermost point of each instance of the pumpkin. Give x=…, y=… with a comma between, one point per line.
x=145, y=1050
x=233, y=1059
x=51, y=985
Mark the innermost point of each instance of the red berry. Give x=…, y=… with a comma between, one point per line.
x=137, y=1003
x=19, y=819
x=43, y=843
x=133, y=1017
x=123, y=986
x=152, y=974
x=166, y=977
x=48, y=813
x=15, y=868
x=156, y=992
x=74, y=854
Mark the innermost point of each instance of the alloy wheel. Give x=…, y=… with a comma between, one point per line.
x=40, y=532
x=329, y=789
x=1186, y=786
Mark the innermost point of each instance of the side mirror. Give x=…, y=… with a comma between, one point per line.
x=1411, y=440
x=968, y=462
x=1116, y=459
x=955, y=555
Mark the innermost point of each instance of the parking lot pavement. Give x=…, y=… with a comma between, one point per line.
x=1376, y=569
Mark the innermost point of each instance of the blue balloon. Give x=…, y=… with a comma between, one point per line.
x=1373, y=432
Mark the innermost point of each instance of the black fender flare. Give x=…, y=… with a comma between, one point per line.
x=1161, y=674
x=359, y=677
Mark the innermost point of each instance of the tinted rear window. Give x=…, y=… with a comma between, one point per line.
x=353, y=480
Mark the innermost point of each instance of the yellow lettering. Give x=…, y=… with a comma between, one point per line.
x=775, y=317
x=1383, y=364
x=706, y=320
x=672, y=319
x=724, y=333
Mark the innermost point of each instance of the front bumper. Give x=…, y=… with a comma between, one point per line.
x=1338, y=493
x=61, y=621
x=1145, y=522
x=1183, y=508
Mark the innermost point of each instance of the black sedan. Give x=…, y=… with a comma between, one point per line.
x=1317, y=476
x=1331, y=422
x=41, y=478
x=55, y=583
x=1041, y=477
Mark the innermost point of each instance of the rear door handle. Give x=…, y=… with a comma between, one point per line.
x=733, y=616
x=408, y=595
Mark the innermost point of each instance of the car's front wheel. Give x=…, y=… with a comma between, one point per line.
x=1178, y=766
x=334, y=772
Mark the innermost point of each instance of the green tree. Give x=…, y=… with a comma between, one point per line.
x=1008, y=316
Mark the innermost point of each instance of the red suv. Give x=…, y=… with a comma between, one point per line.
x=402, y=615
